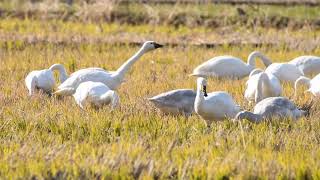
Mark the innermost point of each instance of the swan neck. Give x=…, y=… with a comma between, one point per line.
x=255, y=118
x=123, y=69
x=252, y=59
x=200, y=93
x=263, y=80
x=302, y=80
x=62, y=71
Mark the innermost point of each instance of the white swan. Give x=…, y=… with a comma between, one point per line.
x=312, y=84
x=44, y=79
x=111, y=79
x=308, y=65
x=213, y=106
x=96, y=94
x=229, y=66
x=261, y=85
x=272, y=107
x=176, y=102
x=284, y=72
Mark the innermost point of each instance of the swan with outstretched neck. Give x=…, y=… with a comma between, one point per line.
x=112, y=79
x=96, y=94
x=272, y=107
x=44, y=79
x=215, y=106
x=312, y=84
x=229, y=66
x=261, y=85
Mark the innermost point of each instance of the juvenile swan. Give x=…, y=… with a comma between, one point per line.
x=272, y=107
x=261, y=85
x=308, y=65
x=112, y=79
x=284, y=72
x=229, y=66
x=176, y=102
x=312, y=84
x=96, y=94
x=44, y=79
x=213, y=106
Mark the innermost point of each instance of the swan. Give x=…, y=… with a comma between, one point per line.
x=312, y=84
x=44, y=79
x=179, y=101
x=213, y=106
x=229, y=66
x=96, y=94
x=308, y=65
x=111, y=79
x=272, y=107
x=261, y=85
x=284, y=72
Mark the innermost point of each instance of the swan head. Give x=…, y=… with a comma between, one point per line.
x=202, y=83
x=151, y=45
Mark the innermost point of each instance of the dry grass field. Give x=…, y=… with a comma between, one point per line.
x=51, y=138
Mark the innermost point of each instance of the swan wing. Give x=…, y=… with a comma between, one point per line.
x=284, y=71
x=309, y=65
x=223, y=66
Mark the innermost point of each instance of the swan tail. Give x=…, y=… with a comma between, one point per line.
x=65, y=92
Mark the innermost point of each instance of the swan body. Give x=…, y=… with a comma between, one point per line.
x=229, y=66
x=308, y=65
x=261, y=85
x=272, y=107
x=312, y=84
x=96, y=94
x=284, y=72
x=112, y=79
x=214, y=106
x=44, y=79
x=176, y=102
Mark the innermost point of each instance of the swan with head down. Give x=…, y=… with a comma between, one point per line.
x=176, y=102
x=312, y=84
x=261, y=85
x=112, y=79
x=272, y=107
x=308, y=65
x=229, y=66
x=44, y=79
x=96, y=94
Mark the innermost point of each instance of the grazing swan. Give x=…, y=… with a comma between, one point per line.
x=96, y=94
x=308, y=65
x=261, y=85
x=214, y=106
x=176, y=102
x=272, y=107
x=312, y=84
x=284, y=72
x=44, y=79
x=111, y=79
x=229, y=66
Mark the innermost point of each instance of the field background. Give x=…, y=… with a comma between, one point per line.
x=43, y=137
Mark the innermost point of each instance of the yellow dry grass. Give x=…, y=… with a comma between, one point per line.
x=43, y=137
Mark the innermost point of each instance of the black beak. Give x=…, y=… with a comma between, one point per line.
x=205, y=91
x=156, y=45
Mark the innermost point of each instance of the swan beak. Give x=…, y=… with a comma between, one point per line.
x=156, y=45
